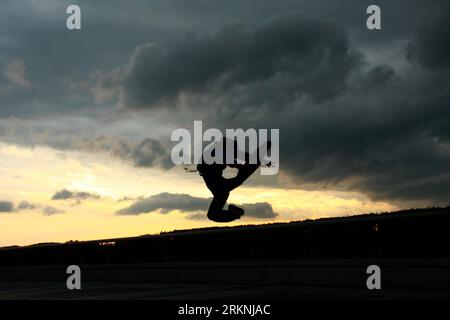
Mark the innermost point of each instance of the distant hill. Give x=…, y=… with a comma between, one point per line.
x=413, y=233
x=430, y=210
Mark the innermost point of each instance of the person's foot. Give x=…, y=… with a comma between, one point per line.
x=235, y=209
x=225, y=216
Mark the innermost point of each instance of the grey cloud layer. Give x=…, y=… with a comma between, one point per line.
x=25, y=205
x=430, y=45
x=13, y=77
x=59, y=62
x=299, y=56
x=167, y=202
x=147, y=153
x=8, y=207
x=65, y=194
x=49, y=211
x=343, y=125
x=79, y=135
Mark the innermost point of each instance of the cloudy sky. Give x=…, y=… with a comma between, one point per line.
x=86, y=116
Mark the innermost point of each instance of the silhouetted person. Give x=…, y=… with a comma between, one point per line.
x=221, y=187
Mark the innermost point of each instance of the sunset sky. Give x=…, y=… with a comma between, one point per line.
x=86, y=115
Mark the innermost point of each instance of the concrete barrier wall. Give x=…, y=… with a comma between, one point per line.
x=402, y=273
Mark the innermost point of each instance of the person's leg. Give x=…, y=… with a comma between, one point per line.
x=221, y=189
x=243, y=174
x=216, y=212
x=245, y=171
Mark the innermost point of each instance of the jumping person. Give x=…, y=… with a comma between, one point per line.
x=221, y=187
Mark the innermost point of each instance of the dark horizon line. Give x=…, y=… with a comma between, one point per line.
x=202, y=230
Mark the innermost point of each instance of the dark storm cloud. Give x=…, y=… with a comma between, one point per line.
x=78, y=135
x=13, y=77
x=379, y=129
x=379, y=76
x=74, y=195
x=167, y=202
x=60, y=63
x=147, y=153
x=304, y=57
x=372, y=130
x=386, y=136
x=431, y=45
x=150, y=152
